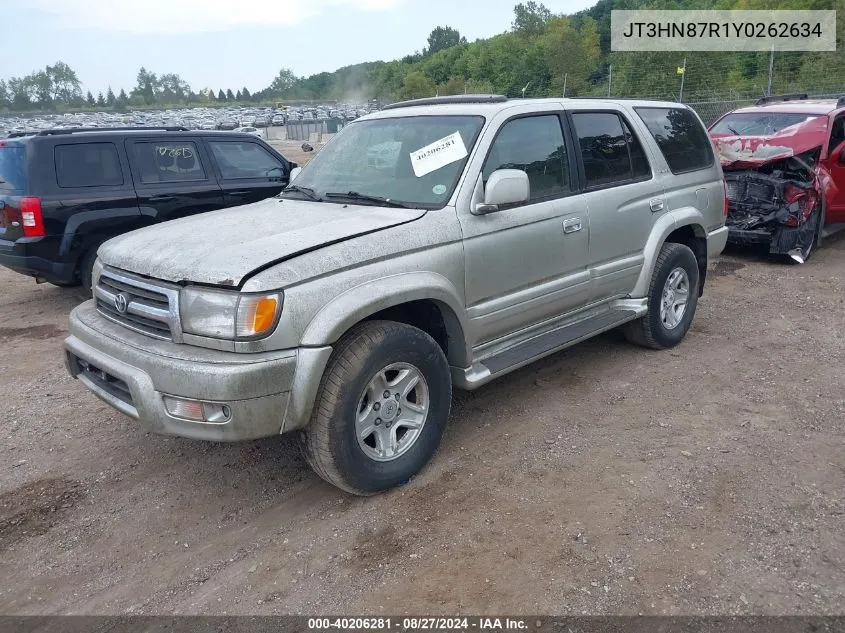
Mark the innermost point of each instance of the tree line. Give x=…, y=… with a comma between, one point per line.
x=541, y=54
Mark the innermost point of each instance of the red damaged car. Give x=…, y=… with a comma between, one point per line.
x=784, y=164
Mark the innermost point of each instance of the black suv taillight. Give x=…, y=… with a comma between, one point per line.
x=26, y=212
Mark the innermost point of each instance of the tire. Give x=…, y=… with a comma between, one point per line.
x=348, y=405
x=816, y=222
x=86, y=267
x=654, y=330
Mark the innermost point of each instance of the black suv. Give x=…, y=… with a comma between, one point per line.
x=65, y=192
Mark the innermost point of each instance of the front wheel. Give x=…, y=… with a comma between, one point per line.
x=381, y=408
x=672, y=299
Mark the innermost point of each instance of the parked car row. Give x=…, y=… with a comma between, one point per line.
x=436, y=244
x=198, y=118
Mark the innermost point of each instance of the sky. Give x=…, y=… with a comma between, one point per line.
x=228, y=43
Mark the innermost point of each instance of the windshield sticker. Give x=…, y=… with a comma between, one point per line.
x=439, y=154
x=438, y=190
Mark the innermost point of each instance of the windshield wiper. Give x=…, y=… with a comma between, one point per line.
x=732, y=130
x=308, y=192
x=363, y=197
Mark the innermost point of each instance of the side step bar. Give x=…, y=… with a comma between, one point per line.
x=557, y=339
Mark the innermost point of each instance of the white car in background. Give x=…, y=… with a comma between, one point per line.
x=250, y=130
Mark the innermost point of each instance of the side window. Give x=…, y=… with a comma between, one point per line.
x=611, y=153
x=168, y=161
x=535, y=145
x=87, y=165
x=680, y=136
x=837, y=134
x=242, y=159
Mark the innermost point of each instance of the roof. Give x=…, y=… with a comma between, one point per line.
x=803, y=106
x=485, y=106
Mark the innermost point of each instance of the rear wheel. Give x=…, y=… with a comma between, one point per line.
x=672, y=299
x=381, y=408
x=86, y=267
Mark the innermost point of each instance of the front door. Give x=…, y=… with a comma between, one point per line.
x=526, y=263
x=173, y=178
x=835, y=211
x=247, y=171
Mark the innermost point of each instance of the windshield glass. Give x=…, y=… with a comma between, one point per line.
x=411, y=160
x=12, y=168
x=759, y=123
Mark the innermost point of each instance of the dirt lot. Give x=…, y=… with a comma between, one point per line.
x=605, y=479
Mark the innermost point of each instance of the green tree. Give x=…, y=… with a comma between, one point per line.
x=110, y=98
x=417, y=85
x=443, y=37
x=122, y=98
x=65, y=86
x=238, y=96
x=146, y=86
x=221, y=96
x=530, y=18
x=89, y=99
x=245, y=94
x=284, y=83
x=229, y=95
x=5, y=102
x=101, y=101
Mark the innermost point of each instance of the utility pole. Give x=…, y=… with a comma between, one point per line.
x=683, y=71
x=609, y=79
x=771, y=70
x=564, y=83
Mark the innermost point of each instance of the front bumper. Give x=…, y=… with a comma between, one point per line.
x=133, y=373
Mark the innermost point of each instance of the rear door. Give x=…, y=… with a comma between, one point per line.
x=247, y=170
x=173, y=177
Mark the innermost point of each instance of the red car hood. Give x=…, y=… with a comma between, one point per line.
x=743, y=152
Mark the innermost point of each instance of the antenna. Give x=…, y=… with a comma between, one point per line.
x=525, y=88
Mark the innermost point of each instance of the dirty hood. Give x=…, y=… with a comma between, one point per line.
x=223, y=247
x=746, y=152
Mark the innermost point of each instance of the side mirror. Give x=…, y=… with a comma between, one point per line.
x=307, y=147
x=504, y=186
x=294, y=173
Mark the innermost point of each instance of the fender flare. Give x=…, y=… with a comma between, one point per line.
x=88, y=219
x=362, y=301
x=663, y=228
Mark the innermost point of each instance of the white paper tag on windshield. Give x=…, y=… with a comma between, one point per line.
x=439, y=154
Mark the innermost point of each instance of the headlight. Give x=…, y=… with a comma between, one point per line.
x=229, y=315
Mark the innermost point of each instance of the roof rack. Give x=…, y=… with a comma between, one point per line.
x=477, y=98
x=777, y=98
x=74, y=130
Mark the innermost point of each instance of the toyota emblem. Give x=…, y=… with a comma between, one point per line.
x=120, y=303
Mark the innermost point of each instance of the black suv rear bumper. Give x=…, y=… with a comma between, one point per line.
x=17, y=257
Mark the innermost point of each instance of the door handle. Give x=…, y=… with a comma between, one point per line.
x=571, y=225
x=239, y=192
x=160, y=198
x=655, y=205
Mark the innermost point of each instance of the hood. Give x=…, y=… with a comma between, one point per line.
x=223, y=247
x=745, y=152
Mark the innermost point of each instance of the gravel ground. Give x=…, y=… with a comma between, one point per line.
x=607, y=479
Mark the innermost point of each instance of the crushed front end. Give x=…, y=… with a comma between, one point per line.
x=776, y=204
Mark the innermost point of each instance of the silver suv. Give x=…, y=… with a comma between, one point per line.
x=436, y=243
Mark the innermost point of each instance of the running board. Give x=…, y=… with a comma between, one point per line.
x=832, y=229
x=555, y=340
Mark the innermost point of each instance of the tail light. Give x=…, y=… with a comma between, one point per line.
x=27, y=213
x=33, y=223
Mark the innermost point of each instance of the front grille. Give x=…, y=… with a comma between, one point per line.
x=140, y=305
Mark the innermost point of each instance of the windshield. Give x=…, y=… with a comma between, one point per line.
x=11, y=168
x=759, y=123
x=413, y=160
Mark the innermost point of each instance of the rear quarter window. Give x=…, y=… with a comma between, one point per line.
x=682, y=139
x=12, y=168
x=88, y=165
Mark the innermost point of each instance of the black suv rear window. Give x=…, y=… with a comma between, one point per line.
x=680, y=136
x=88, y=165
x=12, y=168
